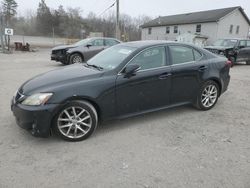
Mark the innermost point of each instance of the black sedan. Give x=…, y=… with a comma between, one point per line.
x=125, y=80
x=81, y=51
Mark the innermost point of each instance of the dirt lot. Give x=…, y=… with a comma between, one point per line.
x=175, y=148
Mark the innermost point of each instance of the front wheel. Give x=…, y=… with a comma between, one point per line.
x=75, y=58
x=76, y=121
x=207, y=96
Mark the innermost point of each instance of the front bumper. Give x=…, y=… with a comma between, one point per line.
x=36, y=119
x=56, y=57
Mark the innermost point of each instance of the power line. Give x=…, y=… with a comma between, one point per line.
x=113, y=4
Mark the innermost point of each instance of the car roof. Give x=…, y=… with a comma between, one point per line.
x=149, y=43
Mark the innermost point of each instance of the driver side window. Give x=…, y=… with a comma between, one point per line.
x=151, y=58
x=97, y=42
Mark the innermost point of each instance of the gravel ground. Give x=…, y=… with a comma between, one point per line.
x=175, y=148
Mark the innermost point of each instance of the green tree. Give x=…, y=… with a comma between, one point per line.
x=44, y=19
x=9, y=10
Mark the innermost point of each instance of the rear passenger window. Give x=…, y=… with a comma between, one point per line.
x=181, y=54
x=110, y=42
x=248, y=43
x=197, y=55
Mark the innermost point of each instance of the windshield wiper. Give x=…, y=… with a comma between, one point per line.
x=95, y=66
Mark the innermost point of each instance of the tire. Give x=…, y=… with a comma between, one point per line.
x=76, y=121
x=248, y=62
x=207, y=96
x=75, y=58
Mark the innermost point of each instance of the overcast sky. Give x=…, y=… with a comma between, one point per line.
x=153, y=8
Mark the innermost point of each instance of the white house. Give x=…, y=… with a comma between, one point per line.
x=220, y=23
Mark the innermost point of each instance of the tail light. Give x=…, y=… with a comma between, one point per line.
x=229, y=63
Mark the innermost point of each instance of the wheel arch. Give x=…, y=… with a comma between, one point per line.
x=77, y=52
x=218, y=82
x=77, y=98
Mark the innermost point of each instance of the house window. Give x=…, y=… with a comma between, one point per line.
x=237, y=29
x=198, y=28
x=167, y=30
x=150, y=31
x=175, y=29
x=231, y=29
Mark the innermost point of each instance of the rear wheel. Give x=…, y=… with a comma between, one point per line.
x=75, y=58
x=207, y=96
x=76, y=121
x=248, y=62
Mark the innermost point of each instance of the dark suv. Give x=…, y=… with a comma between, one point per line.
x=82, y=50
x=236, y=50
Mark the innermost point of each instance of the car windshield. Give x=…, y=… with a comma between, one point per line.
x=82, y=42
x=112, y=57
x=225, y=42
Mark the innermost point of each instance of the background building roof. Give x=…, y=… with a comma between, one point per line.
x=194, y=17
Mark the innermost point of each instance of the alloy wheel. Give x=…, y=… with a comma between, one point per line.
x=74, y=122
x=209, y=96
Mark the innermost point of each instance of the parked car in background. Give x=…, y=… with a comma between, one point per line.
x=81, y=51
x=125, y=80
x=236, y=50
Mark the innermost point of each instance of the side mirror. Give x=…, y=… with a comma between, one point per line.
x=240, y=47
x=131, y=69
x=88, y=45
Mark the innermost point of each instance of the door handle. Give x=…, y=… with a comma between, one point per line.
x=202, y=68
x=164, y=76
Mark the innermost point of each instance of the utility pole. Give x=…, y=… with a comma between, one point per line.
x=117, y=28
x=1, y=34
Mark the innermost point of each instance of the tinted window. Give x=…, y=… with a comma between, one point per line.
x=110, y=42
x=242, y=43
x=97, y=42
x=181, y=54
x=248, y=43
x=197, y=55
x=151, y=58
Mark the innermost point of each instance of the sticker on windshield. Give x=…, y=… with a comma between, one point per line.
x=125, y=51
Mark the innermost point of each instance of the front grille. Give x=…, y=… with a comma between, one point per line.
x=18, y=97
x=213, y=50
x=59, y=52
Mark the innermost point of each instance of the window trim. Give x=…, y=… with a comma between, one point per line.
x=188, y=62
x=197, y=28
x=150, y=31
x=231, y=28
x=167, y=62
x=176, y=26
x=237, y=29
x=168, y=30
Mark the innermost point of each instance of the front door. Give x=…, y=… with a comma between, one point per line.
x=243, y=51
x=149, y=88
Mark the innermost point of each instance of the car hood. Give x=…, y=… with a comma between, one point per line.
x=56, y=78
x=62, y=47
x=218, y=47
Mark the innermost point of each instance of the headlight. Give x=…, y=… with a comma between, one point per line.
x=37, y=99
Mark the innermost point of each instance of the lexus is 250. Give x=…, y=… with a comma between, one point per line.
x=125, y=80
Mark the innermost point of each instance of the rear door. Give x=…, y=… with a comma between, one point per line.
x=243, y=51
x=186, y=70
